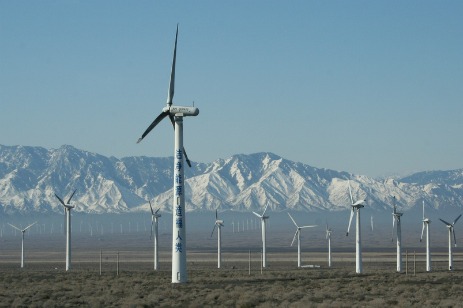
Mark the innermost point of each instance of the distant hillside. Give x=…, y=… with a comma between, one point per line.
x=29, y=177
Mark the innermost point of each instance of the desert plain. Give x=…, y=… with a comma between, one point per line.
x=240, y=282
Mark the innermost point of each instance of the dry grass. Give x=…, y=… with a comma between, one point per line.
x=279, y=285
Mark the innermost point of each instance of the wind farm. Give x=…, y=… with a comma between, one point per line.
x=293, y=127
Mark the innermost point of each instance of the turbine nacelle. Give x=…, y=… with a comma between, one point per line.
x=183, y=111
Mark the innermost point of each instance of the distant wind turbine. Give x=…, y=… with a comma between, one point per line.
x=219, y=224
x=328, y=237
x=67, y=211
x=396, y=218
x=154, y=221
x=263, y=219
x=426, y=223
x=355, y=207
x=298, y=235
x=451, y=227
x=22, y=240
x=176, y=115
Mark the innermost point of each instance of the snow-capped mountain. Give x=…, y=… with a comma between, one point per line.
x=30, y=176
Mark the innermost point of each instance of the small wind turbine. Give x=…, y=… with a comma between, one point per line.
x=176, y=115
x=356, y=206
x=219, y=225
x=451, y=227
x=154, y=220
x=396, y=217
x=67, y=211
x=298, y=235
x=263, y=219
x=22, y=240
x=426, y=222
x=328, y=237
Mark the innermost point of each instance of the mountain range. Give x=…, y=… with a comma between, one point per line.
x=30, y=176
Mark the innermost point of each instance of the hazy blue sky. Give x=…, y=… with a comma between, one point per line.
x=368, y=87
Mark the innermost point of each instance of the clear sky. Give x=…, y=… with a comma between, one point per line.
x=368, y=87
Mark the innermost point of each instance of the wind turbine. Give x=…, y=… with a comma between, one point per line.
x=22, y=240
x=328, y=237
x=426, y=222
x=451, y=227
x=154, y=220
x=219, y=225
x=356, y=206
x=263, y=219
x=396, y=217
x=67, y=212
x=176, y=115
x=298, y=235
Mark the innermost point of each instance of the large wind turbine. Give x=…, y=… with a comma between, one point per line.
x=451, y=227
x=22, y=240
x=356, y=206
x=219, y=224
x=298, y=235
x=426, y=222
x=396, y=218
x=263, y=219
x=67, y=212
x=176, y=114
x=154, y=221
x=328, y=237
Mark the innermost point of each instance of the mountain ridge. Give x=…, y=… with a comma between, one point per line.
x=30, y=176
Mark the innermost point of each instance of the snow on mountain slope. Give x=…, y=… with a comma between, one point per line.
x=30, y=176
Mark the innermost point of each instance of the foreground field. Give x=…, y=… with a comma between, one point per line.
x=281, y=284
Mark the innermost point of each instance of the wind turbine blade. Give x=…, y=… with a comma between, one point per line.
x=15, y=227
x=186, y=158
x=455, y=221
x=350, y=193
x=422, y=232
x=258, y=215
x=394, y=204
x=152, y=212
x=171, y=117
x=293, y=220
x=170, y=94
x=60, y=200
x=213, y=229
x=152, y=125
x=265, y=209
x=311, y=226
x=294, y=238
x=454, y=237
x=216, y=216
x=350, y=221
x=29, y=226
x=393, y=224
x=423, y=209
x=69, y=200
x=448, y=224
x=151, y=236
x=155, y=212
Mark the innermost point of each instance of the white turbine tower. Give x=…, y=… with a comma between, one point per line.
x=219, y=224
x=426, y=222
x=22, y=240
x=298, y=235
x=176, y=115
x=328, y=237
x=396, y=218
x=263, y=219
x=154, y=221
x=67, y=212
x=451, y=227
x=356, y=206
